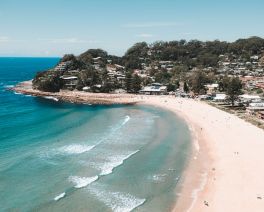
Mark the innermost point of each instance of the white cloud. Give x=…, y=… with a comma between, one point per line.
x=4, y=39
x=145, y=35
x=69, y=40
x=152, y=24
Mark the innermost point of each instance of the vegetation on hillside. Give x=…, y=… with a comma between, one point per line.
x=193, y=63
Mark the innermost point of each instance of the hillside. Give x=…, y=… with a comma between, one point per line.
x=168, y=63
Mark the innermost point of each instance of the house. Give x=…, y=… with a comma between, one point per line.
x=97, y=62
x=255, y=57
x=154, y=89
x=69, y=82
x=211, y=88
x=254, y=109
x=249, y=98
x=62, y=66
x=220, y=97
x=119, y=67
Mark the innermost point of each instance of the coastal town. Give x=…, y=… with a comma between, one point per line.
x=229, y=76
x=132, y=106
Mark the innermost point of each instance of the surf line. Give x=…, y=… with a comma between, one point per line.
x=80, y=182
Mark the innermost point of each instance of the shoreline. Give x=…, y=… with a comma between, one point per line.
x=197, y=168
x=79, y=97
x=223, y=172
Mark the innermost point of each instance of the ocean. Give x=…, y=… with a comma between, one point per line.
x=57, y=156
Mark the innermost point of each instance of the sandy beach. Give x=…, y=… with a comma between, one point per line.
x=224, y=172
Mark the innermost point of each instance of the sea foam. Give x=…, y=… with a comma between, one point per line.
x=118, y=201
x=114, y=129
x=126, y=120
x=81, y=182
x=76, y=149
x=9, y=86
x=158, y=177
x=51, y=98
x=113, y=162
x=124, y=202
x=59, y=196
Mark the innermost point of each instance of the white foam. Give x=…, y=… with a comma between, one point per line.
x=159, y=177
x=81, y=182
x=114, y=130
x=125, y=202
x=59, y=196
x=51, y=98
x=197, y=190
x=126, y=120
x=76, y=149
x=118, y=201
x=113, y=162
x=9, y=86
x=17, y=93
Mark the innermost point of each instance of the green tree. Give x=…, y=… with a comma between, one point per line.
x=171, y=87
x=186, y=87
x=49, y=81
x=136, y=83
x=198, y=81
x=128, y=82
x=177, y=84
x=234, y=89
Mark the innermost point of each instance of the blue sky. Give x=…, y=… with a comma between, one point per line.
x=55, y=27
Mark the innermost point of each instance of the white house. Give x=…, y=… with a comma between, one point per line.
x=220, y=97
x=70, y=82
x=154, y=89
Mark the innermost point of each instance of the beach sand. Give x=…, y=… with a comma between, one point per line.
x=224, y=172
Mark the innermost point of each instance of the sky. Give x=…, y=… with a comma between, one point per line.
x=48, y=28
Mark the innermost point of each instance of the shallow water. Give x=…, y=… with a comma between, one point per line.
x=57, y=156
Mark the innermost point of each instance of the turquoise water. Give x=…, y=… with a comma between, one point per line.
x=56, y=156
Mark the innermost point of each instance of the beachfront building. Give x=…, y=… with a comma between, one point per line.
x=255, y=108
x=212, y=88
x=220, y=97
x=69, y=82
x=246, y=98
x=97, y=62
x=154, y=89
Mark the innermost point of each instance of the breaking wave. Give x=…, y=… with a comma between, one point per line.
x=81, y=182
x=126, y=120
x=60, y=196
x=51, y=98
x=118, y=201
x=76, y=149
x=113, y=162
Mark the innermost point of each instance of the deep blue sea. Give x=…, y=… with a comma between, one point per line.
x=57, y=156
